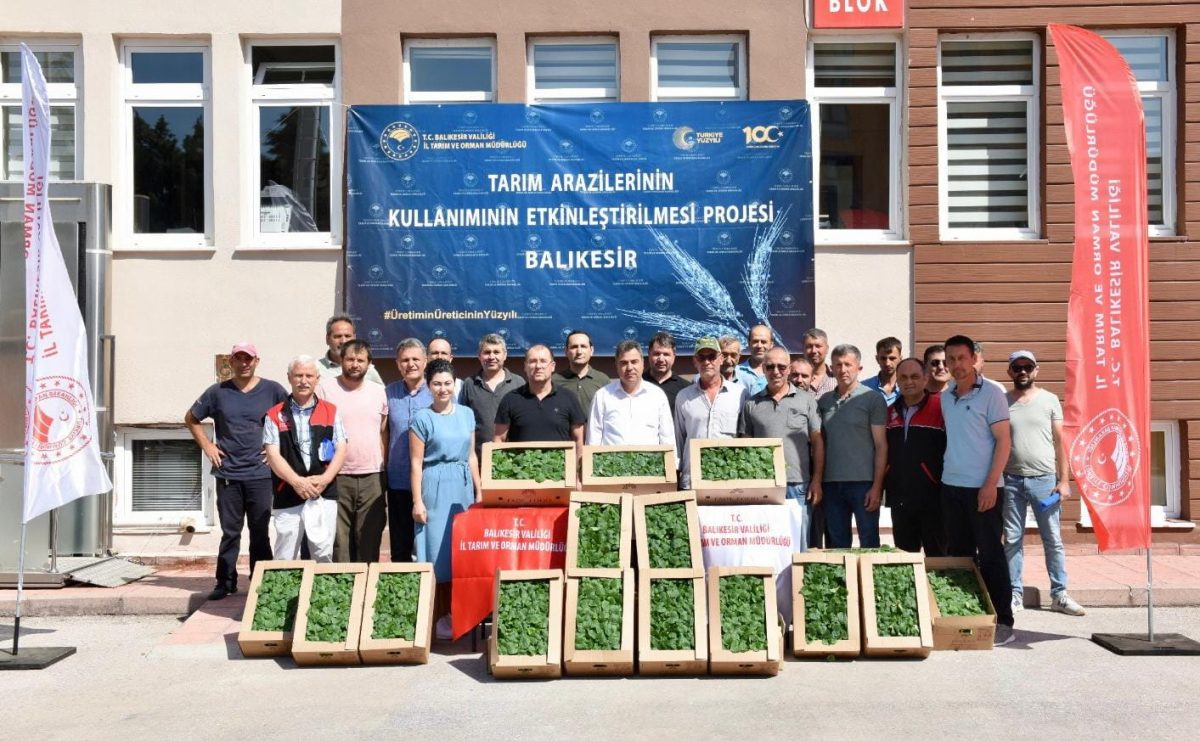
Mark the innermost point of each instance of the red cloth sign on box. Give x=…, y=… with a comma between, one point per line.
x=490, y=538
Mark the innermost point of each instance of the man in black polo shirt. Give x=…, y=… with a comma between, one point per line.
x=538, y=411
x=660, y=366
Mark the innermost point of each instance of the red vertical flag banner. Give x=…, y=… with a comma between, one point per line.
x=1107, y=413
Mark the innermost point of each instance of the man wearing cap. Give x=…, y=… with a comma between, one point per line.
x=338, y=330
x=975, y=413
x=237, y=408
x=1035, y=477
x=709, y=408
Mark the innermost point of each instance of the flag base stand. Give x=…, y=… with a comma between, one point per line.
x=32, y=657
x=1139, y=644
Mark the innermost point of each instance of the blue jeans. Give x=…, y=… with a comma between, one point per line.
x=843, y=499
x=799, y=492
x=1025, y=491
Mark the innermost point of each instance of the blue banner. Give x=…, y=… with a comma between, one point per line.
x=617, y=218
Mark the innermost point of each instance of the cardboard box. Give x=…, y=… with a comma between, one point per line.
x=849, y=646
x=640, y=504
x=877, y=645
x=255, y=643
x=527, y=493
x=398, y=650
x=975, y=632
x=738, y=491
x=516, y=667
x=625, y=549
x=589, y=662
x=330, y=653
x=589, y=481
x=766, y=662
x=652, y=661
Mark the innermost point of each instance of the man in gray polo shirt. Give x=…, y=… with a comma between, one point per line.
x=853, y=418
x=977, y=446
x=784, y=411
x=1036, y=476
x=482, y=392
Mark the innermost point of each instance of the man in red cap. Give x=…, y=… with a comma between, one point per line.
x=237, y=408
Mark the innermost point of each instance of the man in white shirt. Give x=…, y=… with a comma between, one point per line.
x=709, y=408
x=629, y=411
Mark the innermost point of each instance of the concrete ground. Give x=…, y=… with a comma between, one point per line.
x=133, y=678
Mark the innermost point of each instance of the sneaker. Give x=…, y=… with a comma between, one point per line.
x=1018, y=602
x=1004, y=635
x=1067, y=606
x=444, y=631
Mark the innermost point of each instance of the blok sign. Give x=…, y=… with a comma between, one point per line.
x=619, y=218
x=858, y=13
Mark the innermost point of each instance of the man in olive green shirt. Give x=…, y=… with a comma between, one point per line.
x=580, y=378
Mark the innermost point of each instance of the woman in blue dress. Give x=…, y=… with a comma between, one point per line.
x=445, y=478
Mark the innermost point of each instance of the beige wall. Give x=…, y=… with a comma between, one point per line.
x=172, y=310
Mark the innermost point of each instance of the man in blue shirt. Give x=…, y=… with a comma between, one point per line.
x=237, y=408
x=888, y=352
x=405, y=398
x=975, y=413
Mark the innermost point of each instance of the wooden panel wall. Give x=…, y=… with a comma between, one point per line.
x=1013, y=295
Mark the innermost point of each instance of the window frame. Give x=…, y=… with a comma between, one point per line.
x=893, y=97
x=123, y=514
x=1166, y=92
x=59, y=93
x=446, y=96
x=1031, y=95
x=315, y=94
x=741, y=92
x=569, y=95
x=161, y=95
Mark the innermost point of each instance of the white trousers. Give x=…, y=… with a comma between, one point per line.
x=318, y=525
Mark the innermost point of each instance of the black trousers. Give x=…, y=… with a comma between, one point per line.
x=917, y=522
x=238, y=502
x=980, y=535
x=816, y=526
x=400, y=524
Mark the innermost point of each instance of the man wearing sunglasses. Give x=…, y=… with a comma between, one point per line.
x=937, y=373
x=784, y=411
x=1035, y=477
x=709, y=408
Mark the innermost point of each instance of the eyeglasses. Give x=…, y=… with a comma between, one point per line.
x=707, y=358
x=937, y=363
x=1023, y=368
x=775, y=367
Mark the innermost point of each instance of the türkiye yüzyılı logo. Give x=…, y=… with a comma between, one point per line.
x=400, y=140
x=1105, y=457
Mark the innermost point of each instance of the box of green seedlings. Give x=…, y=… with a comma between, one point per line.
x=631, y=469
x=397, y=623
x=672, y=625
x=598, y=635
x=528, y=474
x=329, y=618
x=527, y=624
x=895, y=605
x=746, y=470
x=599, y=534
x=825, y=605
x=270, y=615
x=963, y=615
x=743, y=621
x=666, y=530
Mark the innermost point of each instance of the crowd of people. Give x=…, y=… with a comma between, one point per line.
x=339, y=456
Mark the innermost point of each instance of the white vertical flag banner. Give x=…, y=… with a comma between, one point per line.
x=62, y=454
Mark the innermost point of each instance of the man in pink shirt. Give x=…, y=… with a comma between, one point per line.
x=362, y=508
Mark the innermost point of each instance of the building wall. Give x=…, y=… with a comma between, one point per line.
x=1013, y=295
x=173, y=310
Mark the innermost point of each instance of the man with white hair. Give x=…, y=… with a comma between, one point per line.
x=306, y=446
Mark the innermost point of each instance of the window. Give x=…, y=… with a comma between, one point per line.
x=854, y=93
x=60, y=66
x=698, y=68
x=573, y=70
x=988, y=137
x=168, y=112
x=1151, y=56
x=1165, y=475
x=293, y=90
x=449, y=70
x=161, y=478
